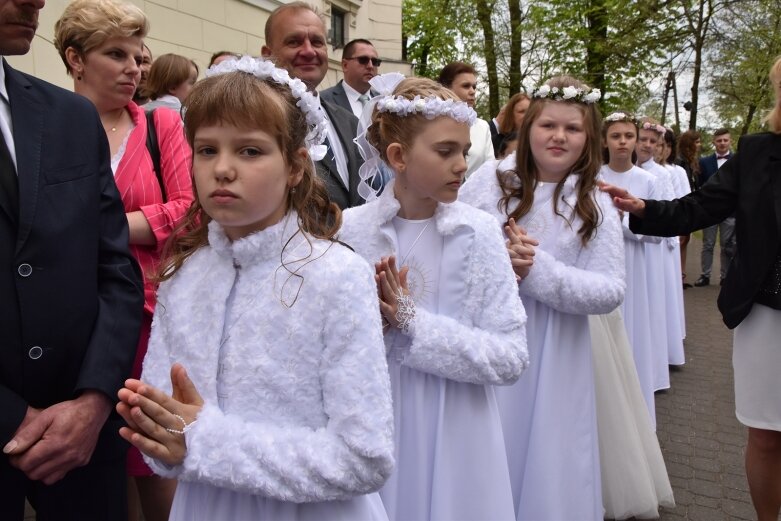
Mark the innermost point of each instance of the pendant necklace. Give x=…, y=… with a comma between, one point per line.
x=414, y=243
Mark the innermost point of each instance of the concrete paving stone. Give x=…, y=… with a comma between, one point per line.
x=734, y=481
x=740, y=509
x=680, y=470
x=709, y=502
x=705, y=488
x=704, y=475
x=700, y=513
x=710, y=465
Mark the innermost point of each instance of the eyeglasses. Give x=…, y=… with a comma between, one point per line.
x=364, y=60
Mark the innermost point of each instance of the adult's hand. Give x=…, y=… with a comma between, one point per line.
x=623, y=200
x=59, y=438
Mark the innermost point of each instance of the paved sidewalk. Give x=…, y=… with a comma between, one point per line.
x=701, y=440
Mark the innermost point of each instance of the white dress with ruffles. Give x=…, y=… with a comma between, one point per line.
x=549, y=415
x=467, y=336
x=297, y=419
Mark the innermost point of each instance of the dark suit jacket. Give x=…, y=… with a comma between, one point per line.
x=709, y=166
x=748, y=184
x=70, y=291
x=337, y=96
x=346, y=125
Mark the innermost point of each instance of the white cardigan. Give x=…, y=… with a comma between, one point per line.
x=571, y=278
x=479, y=334
x=308, y=415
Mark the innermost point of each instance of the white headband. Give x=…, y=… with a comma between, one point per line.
x=568, y=93
x=265, y=70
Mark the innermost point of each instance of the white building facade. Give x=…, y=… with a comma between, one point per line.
x=198, y=28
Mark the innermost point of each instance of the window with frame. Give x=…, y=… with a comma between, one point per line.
x=338, y=18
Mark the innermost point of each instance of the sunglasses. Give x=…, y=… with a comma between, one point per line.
x=364, y=60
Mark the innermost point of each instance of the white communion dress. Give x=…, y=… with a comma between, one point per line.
x=297, y=420
x=467, y=336
x=643, y=306
x=634, y=476
x=549, y=415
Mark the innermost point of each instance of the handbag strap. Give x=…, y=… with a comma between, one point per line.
x=154, y=150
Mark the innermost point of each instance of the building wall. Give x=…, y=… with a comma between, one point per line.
x=198, y=28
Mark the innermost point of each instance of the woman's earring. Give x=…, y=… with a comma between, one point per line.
x=78, y=77
x=293, y=190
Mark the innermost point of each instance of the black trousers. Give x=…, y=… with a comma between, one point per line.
x=95, y=492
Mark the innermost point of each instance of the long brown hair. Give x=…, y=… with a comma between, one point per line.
x=687, y=148
x=245, y=101
x=586, y=167
x=507, y=123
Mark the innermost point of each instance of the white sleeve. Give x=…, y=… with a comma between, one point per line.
x=157, y=367
x=352, y=454
x=493, y=349
x=595, y=288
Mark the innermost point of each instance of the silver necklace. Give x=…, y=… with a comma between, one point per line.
x=404, y=258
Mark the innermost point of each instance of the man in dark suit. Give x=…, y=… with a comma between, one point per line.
x=360, y=63
x=295, y=40
x=70, y=297
x=709, y=165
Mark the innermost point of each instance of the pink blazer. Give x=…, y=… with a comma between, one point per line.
x=140, y=189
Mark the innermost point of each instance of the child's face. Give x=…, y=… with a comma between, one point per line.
x=557, y=138
x=661, y=152
x=620, y=141
x=646, y=145
x=435, y=165
x=241, y=177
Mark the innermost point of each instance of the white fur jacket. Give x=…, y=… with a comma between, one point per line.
x=479, y=334
x=566, y=276
x=304, y=407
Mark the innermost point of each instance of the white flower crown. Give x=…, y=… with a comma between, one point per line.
x=620, y=116
x=430, y=107
x=266, y=70
x=568, y=93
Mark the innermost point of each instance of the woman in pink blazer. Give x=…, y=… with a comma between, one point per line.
x=101, y=46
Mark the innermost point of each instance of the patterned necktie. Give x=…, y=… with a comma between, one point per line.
x=364, y=99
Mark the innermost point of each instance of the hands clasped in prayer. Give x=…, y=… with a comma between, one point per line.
x=157, y=422
x=520, y=246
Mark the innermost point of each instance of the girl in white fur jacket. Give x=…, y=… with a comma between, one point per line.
x=455, y=324
x=284, y=411
x=549, y=187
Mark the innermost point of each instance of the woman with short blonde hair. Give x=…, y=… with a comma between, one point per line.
x=100, y=43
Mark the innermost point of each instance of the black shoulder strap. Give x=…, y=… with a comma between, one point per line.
x=154, y=150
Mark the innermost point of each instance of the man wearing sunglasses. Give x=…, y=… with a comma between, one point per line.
x=359, y=64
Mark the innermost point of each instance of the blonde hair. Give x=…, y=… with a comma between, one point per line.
x=168, y=72
x=247, y=102
x=773, y=119
x=87, y=24
x=387, y=127
x=586, y=166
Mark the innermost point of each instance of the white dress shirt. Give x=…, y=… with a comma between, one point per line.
x=336, y=148
x=352, y=97
x=6, y=125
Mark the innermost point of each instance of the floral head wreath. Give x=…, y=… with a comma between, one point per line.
x=305, y=101
x=430, y=107
x=659, y=129
x=620, y=116
x=568, y=93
